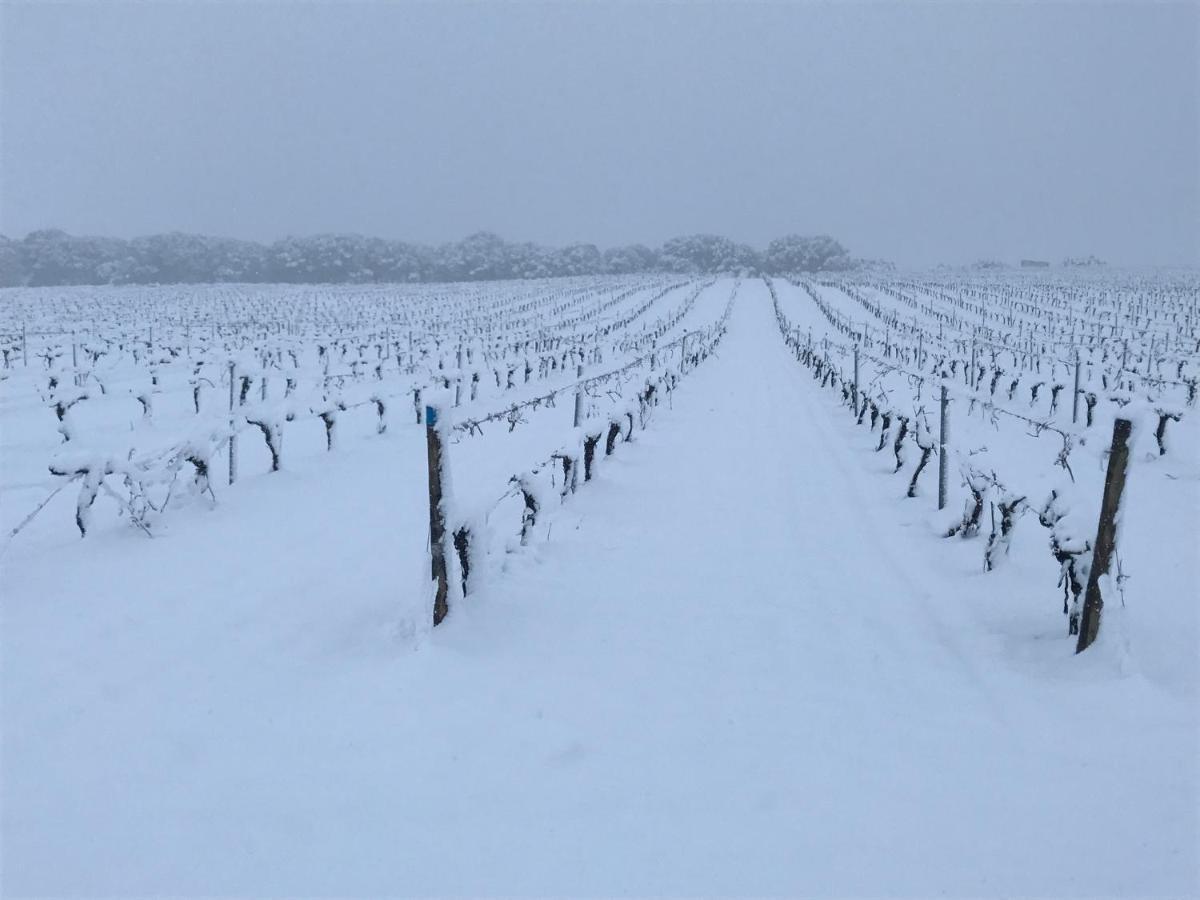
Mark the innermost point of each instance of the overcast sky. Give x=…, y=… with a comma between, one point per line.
x=913, y=132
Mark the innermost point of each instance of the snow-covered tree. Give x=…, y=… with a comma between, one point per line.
x=795, y=253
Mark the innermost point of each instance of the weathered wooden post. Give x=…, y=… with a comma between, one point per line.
x=1075, y=399
x=232, y=431
x=437, y=515
x=943, y=464
x=24, y=347
x=578, y=394
x=1106, y=533
x=854, y=393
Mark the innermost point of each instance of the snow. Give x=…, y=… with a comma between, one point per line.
x=737, y=662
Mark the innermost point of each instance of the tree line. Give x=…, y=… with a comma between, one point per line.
x=53, y=257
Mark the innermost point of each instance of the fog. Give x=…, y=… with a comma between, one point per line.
x=918, y=133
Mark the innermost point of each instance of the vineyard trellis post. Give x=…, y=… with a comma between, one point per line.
x=1106, y=533
x=437, y=517
x=854, y=410
x=1075, y=400
x=232, y=433
x=578, y=394
x=943, y=465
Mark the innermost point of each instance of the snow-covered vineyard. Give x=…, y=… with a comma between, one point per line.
x=740, y=581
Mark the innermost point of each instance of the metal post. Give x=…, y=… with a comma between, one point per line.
x=437, y=516
x=578, y=395
x=232, y=433
x=943, y=464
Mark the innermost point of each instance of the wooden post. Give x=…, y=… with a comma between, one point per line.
x=1106, y=533
x=578, y=394
x=854, y=393
x=943, y=464
x=1075, y=399
x=24, y=347
x=232, y=433
x=437, y=516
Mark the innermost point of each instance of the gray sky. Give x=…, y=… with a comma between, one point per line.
x=914, y=132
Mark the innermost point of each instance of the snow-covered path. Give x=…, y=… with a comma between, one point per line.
x=720, y=670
